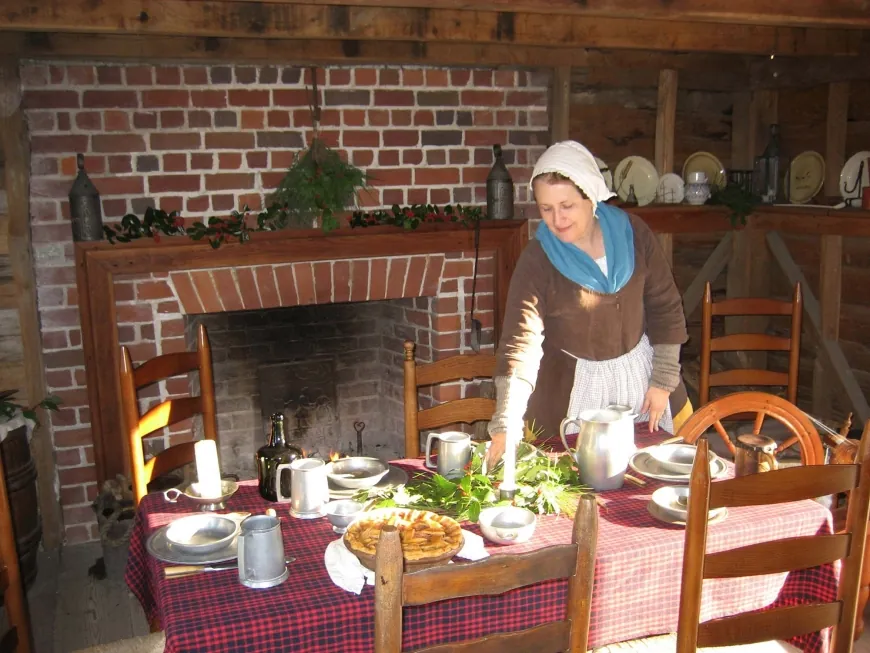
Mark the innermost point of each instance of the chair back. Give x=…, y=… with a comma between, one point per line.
x=778, y=556
x=395, y=589
x=19, y=638
x=465, y=411
x=748, y=306
x=168, y=412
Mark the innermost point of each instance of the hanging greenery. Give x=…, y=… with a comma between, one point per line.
x=741, y=201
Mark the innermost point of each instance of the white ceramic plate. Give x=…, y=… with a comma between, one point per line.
x=605, y=172
x=806, y=177
x=707, y=163
x=849, y=175
x=656, y=512
x=644, y=464
x=394, y=478
x=637, y=172
x=671, y=189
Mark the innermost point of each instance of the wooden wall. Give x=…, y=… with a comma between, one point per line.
x=613, y=112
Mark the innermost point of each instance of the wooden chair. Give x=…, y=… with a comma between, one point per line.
x=495, y=575
x=762, y=404
x=466, y=411
x=781, y=486
x=19, y=637
x=750, y=342
x=168, y=412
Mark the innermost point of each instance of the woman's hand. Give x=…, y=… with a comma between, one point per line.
x=495, y=450
x=654, y=403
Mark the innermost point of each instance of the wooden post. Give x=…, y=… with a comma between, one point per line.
x=13, y=136
x=666, y=117
x=830, y=283
x=835, y=137
x=560, y=104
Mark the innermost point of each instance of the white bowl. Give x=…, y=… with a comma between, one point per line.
x=677, y=458
x=507, y=524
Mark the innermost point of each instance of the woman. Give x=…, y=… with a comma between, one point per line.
x=593, y=314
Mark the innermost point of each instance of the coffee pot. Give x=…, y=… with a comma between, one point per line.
x=277, y=452
x=605, y=442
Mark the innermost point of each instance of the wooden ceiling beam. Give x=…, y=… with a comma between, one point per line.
x=849, y=14
x=237, y=18
x=808, y=71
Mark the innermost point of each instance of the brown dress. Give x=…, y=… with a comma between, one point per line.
x=547, y=312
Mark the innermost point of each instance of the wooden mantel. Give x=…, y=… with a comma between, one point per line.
x=99, y=263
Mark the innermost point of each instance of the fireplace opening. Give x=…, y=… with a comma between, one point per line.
x=328, y=368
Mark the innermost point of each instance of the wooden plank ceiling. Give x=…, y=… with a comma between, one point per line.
x=485, y=32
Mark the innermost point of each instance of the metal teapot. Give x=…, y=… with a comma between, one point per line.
x=605, y=442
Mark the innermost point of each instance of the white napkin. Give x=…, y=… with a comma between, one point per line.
x=345, y=569
x=472, y=548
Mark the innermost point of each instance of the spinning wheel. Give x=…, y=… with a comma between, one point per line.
x=763, y=404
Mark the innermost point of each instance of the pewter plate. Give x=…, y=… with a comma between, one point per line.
x=202, y=533
x=394, y=478
x=644, y=464
x=160, y=547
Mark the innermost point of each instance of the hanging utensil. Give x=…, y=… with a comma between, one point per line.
x=476, y=326
x=359, y=427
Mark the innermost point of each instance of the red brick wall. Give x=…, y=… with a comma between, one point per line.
x=204, y=140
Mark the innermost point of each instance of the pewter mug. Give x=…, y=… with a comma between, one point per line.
x=755, y=454
x=309, y=488
x=605, y=443
x=454, y=453
x=261, y=552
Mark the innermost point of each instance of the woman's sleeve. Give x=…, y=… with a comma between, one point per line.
x=663, y=304
x=520, y=348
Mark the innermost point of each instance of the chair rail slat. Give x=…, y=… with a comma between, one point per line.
x=552, y=636
x=168, y=460
x=495, y=575
x=752, y=306
x=777, y=556
x=164, y=367
x=748, y=377
x=466, y=411
x=791, y=484
x=750, y=342
x=778, y=623
x=167, y=413
x=464, y=366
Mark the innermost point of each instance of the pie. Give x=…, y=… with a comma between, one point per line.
x=424, y=534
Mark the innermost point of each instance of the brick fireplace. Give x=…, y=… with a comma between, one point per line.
x=206, y=139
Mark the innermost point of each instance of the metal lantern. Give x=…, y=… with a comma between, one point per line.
x=84, y=206
x=499, y=189
x=771, y=171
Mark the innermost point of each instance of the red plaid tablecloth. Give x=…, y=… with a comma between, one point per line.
x=637, y=582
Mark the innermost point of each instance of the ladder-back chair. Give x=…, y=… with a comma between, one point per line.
x=19, y=637
x=466, y=411
x=780, y=486
x=168, y=412
x=750, y=306
x=395, y=589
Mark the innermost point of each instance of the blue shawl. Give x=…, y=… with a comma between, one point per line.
x=579, y=267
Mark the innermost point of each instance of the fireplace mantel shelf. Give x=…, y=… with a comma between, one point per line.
x=99, y=263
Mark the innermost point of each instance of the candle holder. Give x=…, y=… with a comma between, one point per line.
x=507, y=494
x=210, y=504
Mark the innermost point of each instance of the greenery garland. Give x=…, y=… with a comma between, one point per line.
x=9, y=408
x=545, y=485
x=238, y=225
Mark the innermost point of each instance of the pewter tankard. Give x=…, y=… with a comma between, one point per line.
x=605, y=442
x=261, y=552
x=454, y=452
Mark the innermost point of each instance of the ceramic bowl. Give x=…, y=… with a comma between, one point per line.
x=356, y=472
x=342, y=512
x=676, y=458
x=202, y=533
x=507, y=524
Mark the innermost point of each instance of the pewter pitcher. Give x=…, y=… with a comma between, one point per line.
x=261, y=552
x=605, y=442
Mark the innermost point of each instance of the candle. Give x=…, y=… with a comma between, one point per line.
x=208, y=469
x=509, y=484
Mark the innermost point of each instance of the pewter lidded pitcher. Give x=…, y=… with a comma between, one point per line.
x=605, y=442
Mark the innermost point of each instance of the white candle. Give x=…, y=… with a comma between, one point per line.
x=208, y=469
x=509, y=484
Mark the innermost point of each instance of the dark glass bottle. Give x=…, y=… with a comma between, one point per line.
x=277, y=452
x=499, y=189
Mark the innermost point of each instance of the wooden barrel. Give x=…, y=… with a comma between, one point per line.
x=21, y=485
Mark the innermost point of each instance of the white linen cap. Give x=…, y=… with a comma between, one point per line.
x=575, y=162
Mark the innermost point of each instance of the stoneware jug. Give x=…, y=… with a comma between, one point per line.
x=605, y=442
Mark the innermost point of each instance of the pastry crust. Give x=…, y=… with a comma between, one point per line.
x=424, y=534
